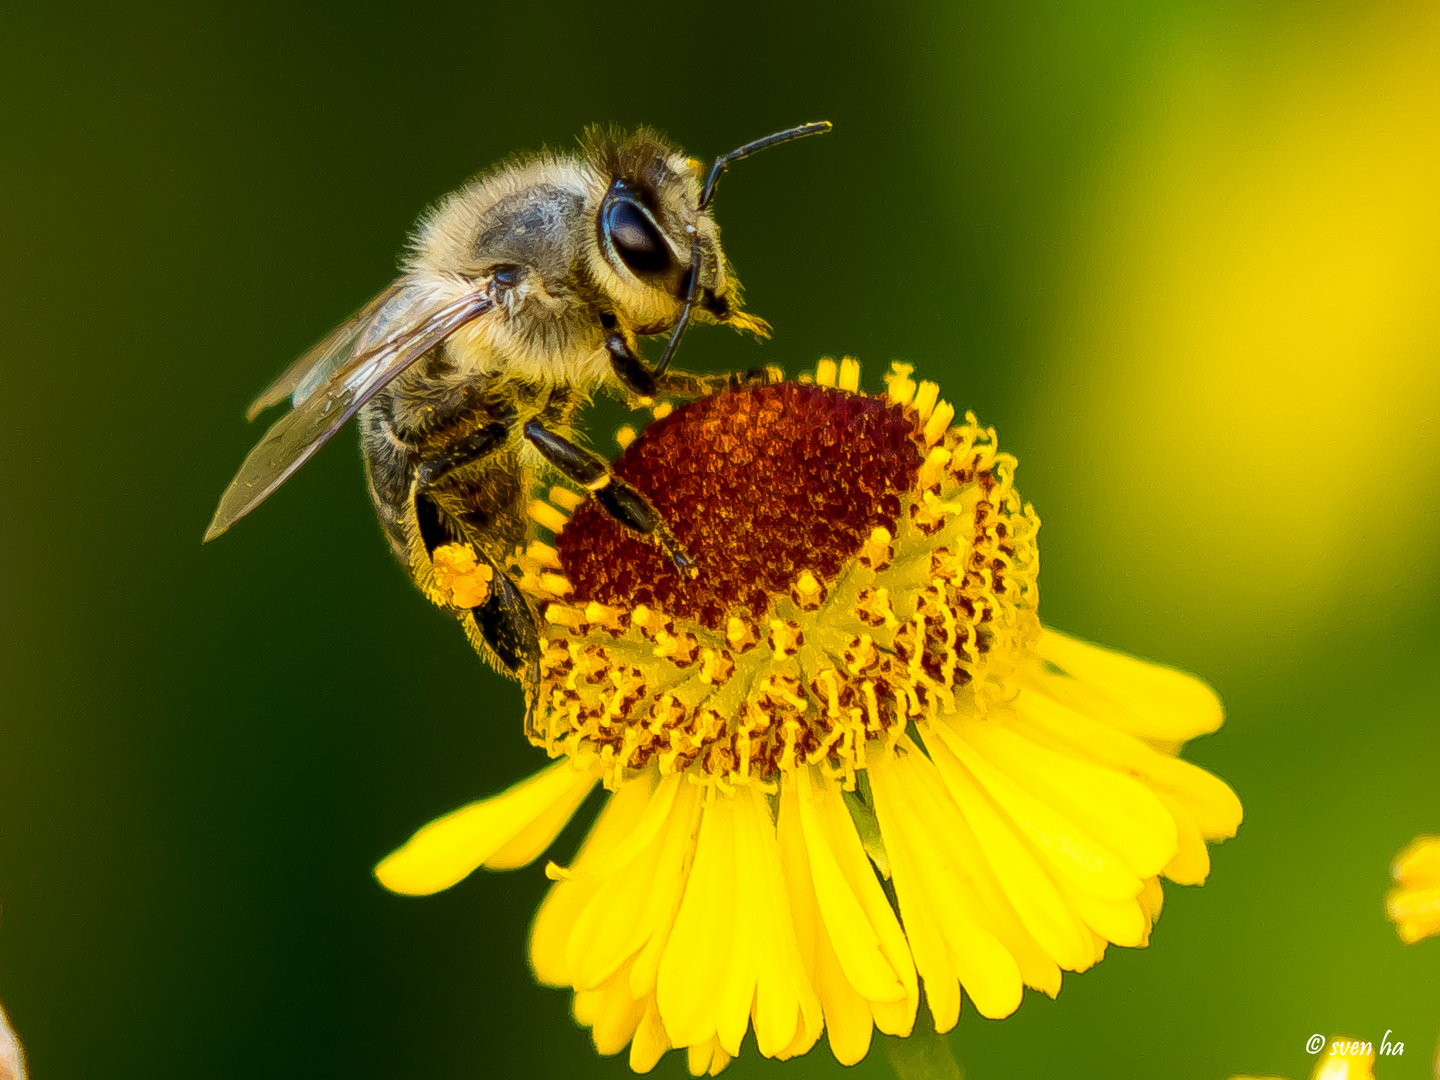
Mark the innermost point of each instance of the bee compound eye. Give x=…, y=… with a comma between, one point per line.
x=635, y=238
x=508, y=276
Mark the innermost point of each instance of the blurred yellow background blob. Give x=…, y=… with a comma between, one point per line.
x=1249, y=346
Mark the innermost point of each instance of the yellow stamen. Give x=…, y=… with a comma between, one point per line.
x=547, y=516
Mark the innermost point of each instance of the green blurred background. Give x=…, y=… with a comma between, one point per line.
x=1186, y=256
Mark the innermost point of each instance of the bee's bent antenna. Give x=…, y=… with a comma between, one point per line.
x=722, y=163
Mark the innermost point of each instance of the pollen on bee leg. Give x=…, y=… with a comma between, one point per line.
x=547, y=516
x=849, y=379
x=460, y=576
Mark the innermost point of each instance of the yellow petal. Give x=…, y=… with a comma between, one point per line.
x=991, y=907
x=614, y=923
x=1419, y=863
x=1064, y=845
x=737, y=991
x=1037, y=900
x=555, y=920
x=663, y=901
x=787, y=1013
x=1120, y=813
x=607, y=932
x=1414, y=904
x=1120, y=921
x=550, y=933
x=649, y=1043
x=1215, y=807
x=451, y=847
x=869, y=965
x=616, y=1018
x=846, y=1013
x=1151, y=899
x=656, y=815
x=932, y=957
x=695, y=965
x=1191, y=864
x=1144, y=699
x=707, y=1059
x=986, y=969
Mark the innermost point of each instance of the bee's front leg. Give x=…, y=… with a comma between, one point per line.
x=642, y=387
x=634, y=376
x=615, y=496
x=690, y=386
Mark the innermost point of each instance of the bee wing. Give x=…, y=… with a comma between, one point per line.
x=334, y=348
x=322, y=410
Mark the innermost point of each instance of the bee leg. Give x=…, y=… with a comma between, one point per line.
x=504, y=619
x=621, y=501
x=689, y=386
x=478, y=444
x=507, y=623
x=631, y=370
x=644, y=387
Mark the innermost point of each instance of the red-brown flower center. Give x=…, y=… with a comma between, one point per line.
x=758, y=485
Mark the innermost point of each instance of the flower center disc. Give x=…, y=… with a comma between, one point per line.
x=860, y=562
x=758, y=486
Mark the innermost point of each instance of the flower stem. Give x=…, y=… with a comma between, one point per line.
x=924, y=1054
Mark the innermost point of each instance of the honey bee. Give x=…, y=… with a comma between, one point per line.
x=522, y=294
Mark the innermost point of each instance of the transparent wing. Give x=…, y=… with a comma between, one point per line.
x=322, y=410
x=334, y=349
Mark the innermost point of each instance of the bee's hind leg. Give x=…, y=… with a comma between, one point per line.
x=621, y=501
x=503, y=623
x=506, y=623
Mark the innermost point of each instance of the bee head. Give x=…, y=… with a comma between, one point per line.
x=649, y=227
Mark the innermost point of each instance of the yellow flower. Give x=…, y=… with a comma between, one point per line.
x=1414, y=903
x=1341, y=1058
x=846, y=759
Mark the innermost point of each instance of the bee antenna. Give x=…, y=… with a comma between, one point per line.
x=723, y=162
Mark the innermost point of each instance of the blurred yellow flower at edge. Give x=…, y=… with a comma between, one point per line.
x=1414, y=903
x=845, y=759
x=12, y=1058
x=1252, y=319
x=1342, y=1058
